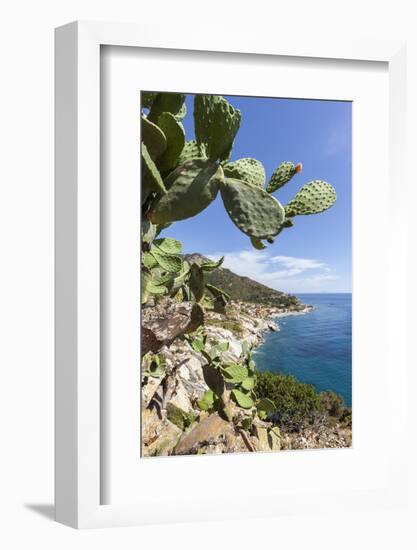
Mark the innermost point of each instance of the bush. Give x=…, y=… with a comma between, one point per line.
x=297, y=404
x=332, y=403
x=346, y=418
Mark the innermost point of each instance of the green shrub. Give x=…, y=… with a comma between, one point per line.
x=346, y=418
x=332, y=403
x=179, y=417
x=296, y=403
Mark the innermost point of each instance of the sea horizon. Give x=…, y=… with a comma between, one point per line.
x=304, y=293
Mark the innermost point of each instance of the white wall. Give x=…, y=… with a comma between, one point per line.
x=26, y=272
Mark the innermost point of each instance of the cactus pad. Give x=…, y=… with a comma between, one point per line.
x=150, y=173
x=313, y=198
x=247, y=169
x=211, y=266
x=182, y=113
x=175, y=137
x=235, y=373
x=242, y=399
x=197, y=282
x=214, y=379
x=192, y=151
x=281, y=175
x=206, y=401
x=166, y=103
x=152, y=288
x=251, y=209
x=145, y=278
x=169, y=263
x=168, y=245
x=148, y=260
x=191, y=188
x=216, y=124
x=217, y=292
x=153, y=137
x=148, y=231
x=177, y=281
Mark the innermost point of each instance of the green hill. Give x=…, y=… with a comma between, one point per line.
x=244, y=289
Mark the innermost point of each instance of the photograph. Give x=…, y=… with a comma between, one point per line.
x=245, y=273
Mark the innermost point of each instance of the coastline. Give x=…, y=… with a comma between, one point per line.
x=171, y=421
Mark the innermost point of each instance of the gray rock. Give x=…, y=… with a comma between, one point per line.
x=163, y=323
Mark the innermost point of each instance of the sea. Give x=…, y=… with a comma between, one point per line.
x=315, y=347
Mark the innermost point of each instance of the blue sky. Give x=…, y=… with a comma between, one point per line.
x=314, y=255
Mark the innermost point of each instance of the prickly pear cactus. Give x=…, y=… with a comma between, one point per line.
x=153, y=137
x=191, y=151
x=251, y=209
x=282, y=175
x=191, y=188
x=315, y=197
x=247, y=169
x=167, y=262
x=148, y=231
x=166, y=102
x=216, y=125
x=182, y=113
x=168, y=245
x=197, y=282
x=151, y=178
x=175, y=138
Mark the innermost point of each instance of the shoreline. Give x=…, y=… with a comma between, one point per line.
x=256, y=321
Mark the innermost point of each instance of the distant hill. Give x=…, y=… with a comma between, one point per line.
x=244, y=289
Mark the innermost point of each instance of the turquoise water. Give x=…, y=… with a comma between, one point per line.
x=316, y=347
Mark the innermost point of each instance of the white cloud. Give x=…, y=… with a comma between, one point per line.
x=286, y=273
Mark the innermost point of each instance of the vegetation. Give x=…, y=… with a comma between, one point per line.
x=179, y=417
x=297, y=404
x=243, y=289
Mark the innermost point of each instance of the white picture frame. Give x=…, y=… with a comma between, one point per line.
x=78, y=387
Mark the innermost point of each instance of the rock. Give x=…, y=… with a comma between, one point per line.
x=181, y=396
x=235, y=443
x=261, y=435
x=321, y=437
x=274, y=439
x=159, y=437
x=184, y=372
x=193, y=365
x=163, y=323
x=150, y=426
x=149, y=389
x=206, y=432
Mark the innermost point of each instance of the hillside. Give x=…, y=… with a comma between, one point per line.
x=244, y=289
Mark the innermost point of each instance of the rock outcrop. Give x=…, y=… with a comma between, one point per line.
x=166, y=321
